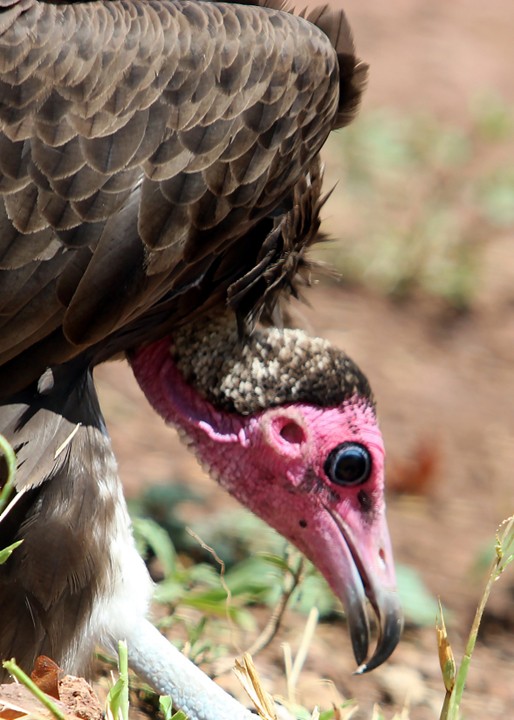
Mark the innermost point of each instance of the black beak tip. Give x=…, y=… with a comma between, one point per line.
x=391, y=630
x=359, y=632
x=360, y=651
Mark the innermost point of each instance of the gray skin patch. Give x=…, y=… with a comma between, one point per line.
x=270, y=367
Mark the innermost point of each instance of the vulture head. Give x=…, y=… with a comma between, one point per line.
x=286, y=424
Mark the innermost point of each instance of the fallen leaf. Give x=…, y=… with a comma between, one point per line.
x=46, y=675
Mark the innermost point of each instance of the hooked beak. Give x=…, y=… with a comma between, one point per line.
x=359, y=565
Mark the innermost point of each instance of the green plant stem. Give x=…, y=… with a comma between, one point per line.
x=10, y=459
x=123, y=665
x=43, y=698
x=118, y=696
x=446, y=706
x=499, y=564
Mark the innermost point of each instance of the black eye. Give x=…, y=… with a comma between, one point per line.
x=348, y=464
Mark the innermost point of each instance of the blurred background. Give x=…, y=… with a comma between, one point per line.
x=422, y=221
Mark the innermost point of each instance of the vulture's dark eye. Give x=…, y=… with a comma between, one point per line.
x=348, y=464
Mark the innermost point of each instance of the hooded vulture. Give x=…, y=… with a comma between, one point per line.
x=160, y=183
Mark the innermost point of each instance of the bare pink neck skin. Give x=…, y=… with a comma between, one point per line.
x=176, y=401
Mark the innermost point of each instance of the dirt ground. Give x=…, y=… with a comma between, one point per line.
x=445, y=389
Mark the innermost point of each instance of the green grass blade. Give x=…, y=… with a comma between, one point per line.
x=43, y=698
x=118, y=697
x=10, y=460
x=166, y=707
x=504, y=542
x=6, y=553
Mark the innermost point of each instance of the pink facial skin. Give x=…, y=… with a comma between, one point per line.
x=273, y=462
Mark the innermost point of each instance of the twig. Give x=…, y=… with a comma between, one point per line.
x=291, y=581
x=62, y=447
x=301, y=655
x=247, y=674
x=223, y=582
x=294, y=668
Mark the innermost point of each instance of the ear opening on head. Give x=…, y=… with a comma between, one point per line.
x=292, y=432
x=285, y=431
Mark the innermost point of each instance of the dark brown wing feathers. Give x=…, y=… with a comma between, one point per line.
x=142, y=142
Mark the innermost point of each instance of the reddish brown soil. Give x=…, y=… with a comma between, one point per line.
x=445, y=388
